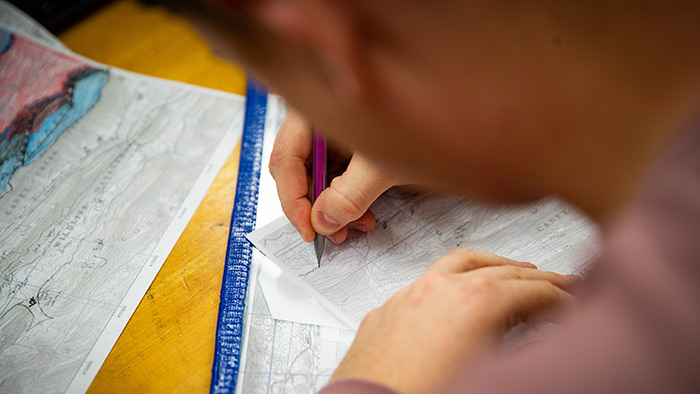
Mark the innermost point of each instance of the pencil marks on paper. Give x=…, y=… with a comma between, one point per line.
x=412, y=231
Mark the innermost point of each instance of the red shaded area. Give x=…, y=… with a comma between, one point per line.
x=33, y=83
x=31, y=117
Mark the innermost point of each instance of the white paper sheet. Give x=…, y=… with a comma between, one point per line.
x=413, y=230
x=289, y=302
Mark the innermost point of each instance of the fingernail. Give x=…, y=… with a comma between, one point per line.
x=332, y=238
x=575, y=278
x=327, y=223
x=528, y=265
x=575, y=282
x=359, y=226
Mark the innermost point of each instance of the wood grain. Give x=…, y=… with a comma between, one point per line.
x=168, y=345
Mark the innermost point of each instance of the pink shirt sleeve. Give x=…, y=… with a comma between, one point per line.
x=352, y=386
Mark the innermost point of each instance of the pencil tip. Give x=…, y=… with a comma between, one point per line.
x=319, y=241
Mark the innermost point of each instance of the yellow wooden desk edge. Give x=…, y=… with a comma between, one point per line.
x=168, y=345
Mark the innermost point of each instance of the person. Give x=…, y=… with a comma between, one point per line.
x=597, y=102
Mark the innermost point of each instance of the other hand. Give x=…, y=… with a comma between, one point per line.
x=448, y=319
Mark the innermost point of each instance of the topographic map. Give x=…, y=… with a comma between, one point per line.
x=413, y=230
x=288, y=357
x=101, y=170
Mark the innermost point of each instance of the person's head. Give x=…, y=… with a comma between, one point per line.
x=502, y=100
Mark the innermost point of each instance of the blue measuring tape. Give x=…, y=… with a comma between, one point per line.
x=229, y=329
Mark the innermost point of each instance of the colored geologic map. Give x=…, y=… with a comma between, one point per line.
x=43, y=94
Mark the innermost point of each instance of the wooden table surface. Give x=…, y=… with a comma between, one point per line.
x=168, y=345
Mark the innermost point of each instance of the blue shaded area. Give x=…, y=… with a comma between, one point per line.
x=6, y=39
x=85, y=95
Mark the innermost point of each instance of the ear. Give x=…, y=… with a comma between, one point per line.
x=327, y=30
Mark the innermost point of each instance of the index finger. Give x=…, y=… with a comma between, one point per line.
x=511, y=272
x=290, y=153
x=463, y=260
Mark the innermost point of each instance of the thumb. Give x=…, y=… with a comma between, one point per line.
x=349, y=196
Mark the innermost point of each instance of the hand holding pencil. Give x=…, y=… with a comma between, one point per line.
x=354, y=184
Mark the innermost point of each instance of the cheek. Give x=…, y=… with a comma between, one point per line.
x=476, y=169
x=478, y=165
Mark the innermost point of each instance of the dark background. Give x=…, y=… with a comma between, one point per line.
x=58, y=15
